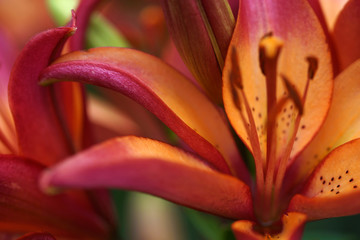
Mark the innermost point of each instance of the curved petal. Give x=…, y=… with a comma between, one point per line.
x=23, y=207
x=37, y=236
x=341, y=125
x=334, y=188
x=163, y=91
x=295, y=23
x=292, y=229
x=39, y=132
x=120, y=116
x=157, y=168
x=8, y=142
x=346, y=32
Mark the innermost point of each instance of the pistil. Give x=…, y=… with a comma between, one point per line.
x=270, y=48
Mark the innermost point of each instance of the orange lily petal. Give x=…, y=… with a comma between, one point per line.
x=295, y=23
x=37, y=236
x=8, y=142
x=163, y=91
x=331, y=10
x=40, y=135
x=293, y=226
x=23, y=207
x=334, y=188
x=341, y=125
x=157, y=168
x=346, y=34
x=120, y=116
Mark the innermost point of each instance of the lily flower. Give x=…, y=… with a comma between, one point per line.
x=43, y=131
x=300, y=125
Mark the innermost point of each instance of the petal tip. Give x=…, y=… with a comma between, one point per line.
x=45, y=184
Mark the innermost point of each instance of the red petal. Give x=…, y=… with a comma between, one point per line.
x=157, y=168
x=346, y=34
x=23, y=207
x=37, y=236
x=293, y=226
x=334, y=187
x=39, y=132
x=163, y=91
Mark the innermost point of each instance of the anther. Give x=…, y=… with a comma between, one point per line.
x=313, y=66
x=269, y=50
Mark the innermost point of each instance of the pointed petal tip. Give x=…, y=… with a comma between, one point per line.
x=45, y=184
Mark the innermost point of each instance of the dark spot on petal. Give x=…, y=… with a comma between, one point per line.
x=332, y=179
x=337, y=192
x=338, y=186
x=347, y=171
x=328, y=149
x=324, y=182
x=329, y=183
x=355, y=186
x=253, y=109
x=332, y=190
x=259, y=115
x=303, y=127
x=257, y=98
x=351, y=180
x=339, y=177
x=321, y=178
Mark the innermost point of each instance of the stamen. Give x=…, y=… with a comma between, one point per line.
x=236, y=82
x=293, y=94
x=313, y=65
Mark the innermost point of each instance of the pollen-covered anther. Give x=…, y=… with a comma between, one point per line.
x=269, y=50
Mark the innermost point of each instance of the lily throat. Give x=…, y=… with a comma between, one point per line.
x=273, y=132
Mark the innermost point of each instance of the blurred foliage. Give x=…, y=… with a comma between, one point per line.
x=100, y=31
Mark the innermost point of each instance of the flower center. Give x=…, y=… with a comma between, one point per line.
x=272, y=152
